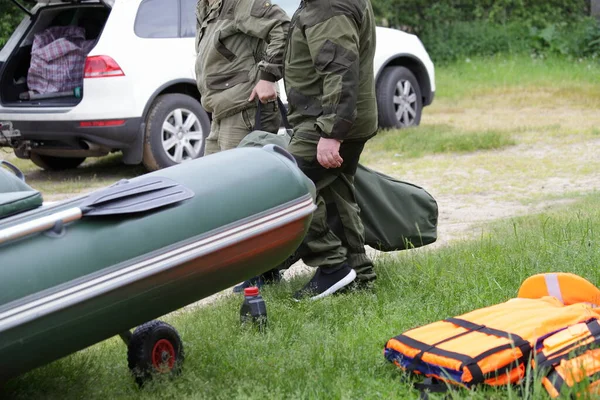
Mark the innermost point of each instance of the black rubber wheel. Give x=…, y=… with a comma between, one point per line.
x=176, y=129
x=155, y=348
x=56, y=163
x=399, y=98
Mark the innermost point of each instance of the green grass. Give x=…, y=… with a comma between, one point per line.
x=481, y=74
x=491, y=103
x=432, y=139
x=93, y=174
x=333, y=348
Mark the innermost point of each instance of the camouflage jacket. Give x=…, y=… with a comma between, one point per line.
x=238, y=42
x=328, y=69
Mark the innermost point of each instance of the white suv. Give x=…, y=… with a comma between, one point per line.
x=139, y=93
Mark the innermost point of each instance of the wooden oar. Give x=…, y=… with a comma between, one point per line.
x=124, y=197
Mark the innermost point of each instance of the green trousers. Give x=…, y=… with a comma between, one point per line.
x=336, y=234
x=226, y=133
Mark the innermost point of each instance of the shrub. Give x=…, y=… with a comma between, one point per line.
x=460, y=40
x=468, y=39
x=422, y=14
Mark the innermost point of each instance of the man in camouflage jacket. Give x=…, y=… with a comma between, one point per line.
x=240, y=46
x=328, y=74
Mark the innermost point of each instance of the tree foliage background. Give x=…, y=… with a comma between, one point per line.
x=422, y=14
x=453, y=29
x=10, y=16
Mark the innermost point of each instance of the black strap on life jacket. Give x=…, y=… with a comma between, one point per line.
x=433, y=349
x=542, y=361
x=471, y=363
x=430, y=385
x=556, y=380
x=516, y=341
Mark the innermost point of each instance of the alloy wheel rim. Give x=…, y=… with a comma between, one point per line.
x=405, y=103
x=182, y=135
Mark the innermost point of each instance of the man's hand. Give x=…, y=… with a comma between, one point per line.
x=265, y=91
x=328, y=153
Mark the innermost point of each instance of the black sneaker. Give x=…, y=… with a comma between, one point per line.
x=269, y=277
x=324, y=284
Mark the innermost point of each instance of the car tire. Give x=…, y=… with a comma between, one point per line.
x=399, y=98
x=56, y=163
x=176, y=130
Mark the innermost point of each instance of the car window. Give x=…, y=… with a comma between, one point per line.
x=157, y=19
x=188, y=18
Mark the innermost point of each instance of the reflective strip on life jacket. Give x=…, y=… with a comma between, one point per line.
x=553, y=286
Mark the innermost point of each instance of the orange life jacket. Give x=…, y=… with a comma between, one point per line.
x=569, y=357
x=491, y=345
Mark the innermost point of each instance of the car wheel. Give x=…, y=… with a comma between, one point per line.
x=399, y=99
x=176, y=129
x=56, y=163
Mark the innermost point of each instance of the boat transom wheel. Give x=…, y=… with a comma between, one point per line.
x=163, y=356
x=154, y=348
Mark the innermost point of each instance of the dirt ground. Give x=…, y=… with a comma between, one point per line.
x=461, y=215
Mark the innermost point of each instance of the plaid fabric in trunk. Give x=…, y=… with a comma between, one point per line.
x=58, y=59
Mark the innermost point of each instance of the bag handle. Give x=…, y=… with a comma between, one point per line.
x=282, y=110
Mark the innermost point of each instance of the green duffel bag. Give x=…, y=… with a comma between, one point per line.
x=396, y=215
x=15, y=195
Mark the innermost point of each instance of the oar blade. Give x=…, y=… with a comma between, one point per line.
x=126, y=188
x=141, y=202
x=139, y=195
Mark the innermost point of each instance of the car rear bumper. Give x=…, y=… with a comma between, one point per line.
x=75, y=134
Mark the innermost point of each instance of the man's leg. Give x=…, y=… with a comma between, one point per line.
x=211, y=145
x=324, y=249
x=235, y=128
x=344, y=220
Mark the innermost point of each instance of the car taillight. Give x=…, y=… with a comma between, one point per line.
x=101, y=67
x=102, y=123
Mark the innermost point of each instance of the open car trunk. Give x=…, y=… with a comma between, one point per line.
x=25, y=84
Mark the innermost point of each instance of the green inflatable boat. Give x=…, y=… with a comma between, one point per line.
x=80, y=271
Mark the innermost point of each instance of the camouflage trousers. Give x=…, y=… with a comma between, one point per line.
x=336, y=234
x=226, y=133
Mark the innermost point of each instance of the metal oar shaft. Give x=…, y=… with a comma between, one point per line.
x=126, y=197
x=40, y=224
